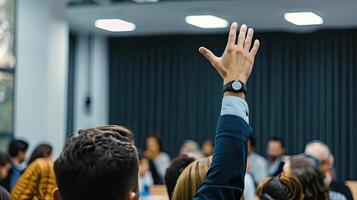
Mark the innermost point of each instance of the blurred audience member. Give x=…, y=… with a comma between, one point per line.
x=160, y=160
x=145, y=177
x=249, y=187
x=5, y=167
x=192, y=149
x=207, y=148
x=310, y=177
x=275, y=152
x=174, y=171
x=17, y=151
x=41, y=151
x=193, y=176
x=191, y=179
x=37, y=182
x=282, y=187
x=322, y=153
x=258, y=164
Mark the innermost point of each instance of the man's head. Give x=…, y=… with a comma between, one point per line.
x=98, y=163
x=276, y=148
x=17, y=150
x=321, y=152
x=174, y=171
x=5, y=165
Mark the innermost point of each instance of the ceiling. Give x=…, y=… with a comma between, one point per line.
x=168, y=17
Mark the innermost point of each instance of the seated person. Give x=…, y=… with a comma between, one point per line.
x=306, y=169
x=310, y=177
x=191, y=148
x=159, y=161
x=174, y=171
x=145, y=176
x=102, y=163
x=258, y=164
x=207, y=148
x=194, y=175
x=5, y=167
x=322, y=153
x=17, y=150
x=37, y=182
x=282, y=187
x=275, y=152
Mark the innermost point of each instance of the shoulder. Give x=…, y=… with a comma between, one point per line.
x=164, y=155
x=336, y=196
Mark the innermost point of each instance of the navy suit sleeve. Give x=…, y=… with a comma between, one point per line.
x=225, y=178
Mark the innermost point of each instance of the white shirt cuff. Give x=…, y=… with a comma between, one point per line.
x=232, y=105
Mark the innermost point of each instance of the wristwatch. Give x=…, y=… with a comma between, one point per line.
x=235, y=86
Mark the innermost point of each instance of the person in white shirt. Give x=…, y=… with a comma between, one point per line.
x=258, y=165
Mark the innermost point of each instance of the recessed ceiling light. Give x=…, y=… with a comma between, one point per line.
x=206, y=21
x=115, y=25
x=303, y=18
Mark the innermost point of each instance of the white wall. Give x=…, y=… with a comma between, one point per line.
x=41, y=72
x=91, y=78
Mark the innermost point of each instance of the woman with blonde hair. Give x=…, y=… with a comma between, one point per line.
x=191, y=179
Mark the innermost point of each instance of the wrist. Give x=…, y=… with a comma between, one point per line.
x=238, y=94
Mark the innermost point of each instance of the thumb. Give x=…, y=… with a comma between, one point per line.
x=208, y=55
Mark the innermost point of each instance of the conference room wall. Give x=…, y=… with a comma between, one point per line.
x=303, y=87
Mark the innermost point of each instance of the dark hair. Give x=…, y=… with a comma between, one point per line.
x=282, y=187
x=98, y=163
x=174, y=171
x=17, y=146
x=277, y=139
x=251, y=140
x=310, y=177
x=41, y=151
x=4, y=159
x=156, y=137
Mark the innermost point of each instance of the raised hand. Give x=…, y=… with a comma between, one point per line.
x=237, y=60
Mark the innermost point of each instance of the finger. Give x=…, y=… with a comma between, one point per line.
x=208, y=55
x=255, y=48
x=232, y=35
x=248, y=40
x=241, y=37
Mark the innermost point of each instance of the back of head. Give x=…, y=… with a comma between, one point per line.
x=173, y=172
x=283, y=187
x=310, y=177
x=191, y=179
x=41, y=151
x=17, y=146
x=98, y=163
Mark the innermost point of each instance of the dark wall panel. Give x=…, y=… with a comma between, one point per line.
x=303, y=87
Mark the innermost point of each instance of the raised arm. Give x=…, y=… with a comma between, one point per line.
x=225, y=179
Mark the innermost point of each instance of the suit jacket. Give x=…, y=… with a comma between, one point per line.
x=225, y=178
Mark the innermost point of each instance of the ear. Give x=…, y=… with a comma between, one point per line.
x=132, y=196
x=56, y=194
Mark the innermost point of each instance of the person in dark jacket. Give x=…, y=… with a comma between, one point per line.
x=102, y=162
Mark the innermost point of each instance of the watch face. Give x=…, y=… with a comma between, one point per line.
x=236, y=85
